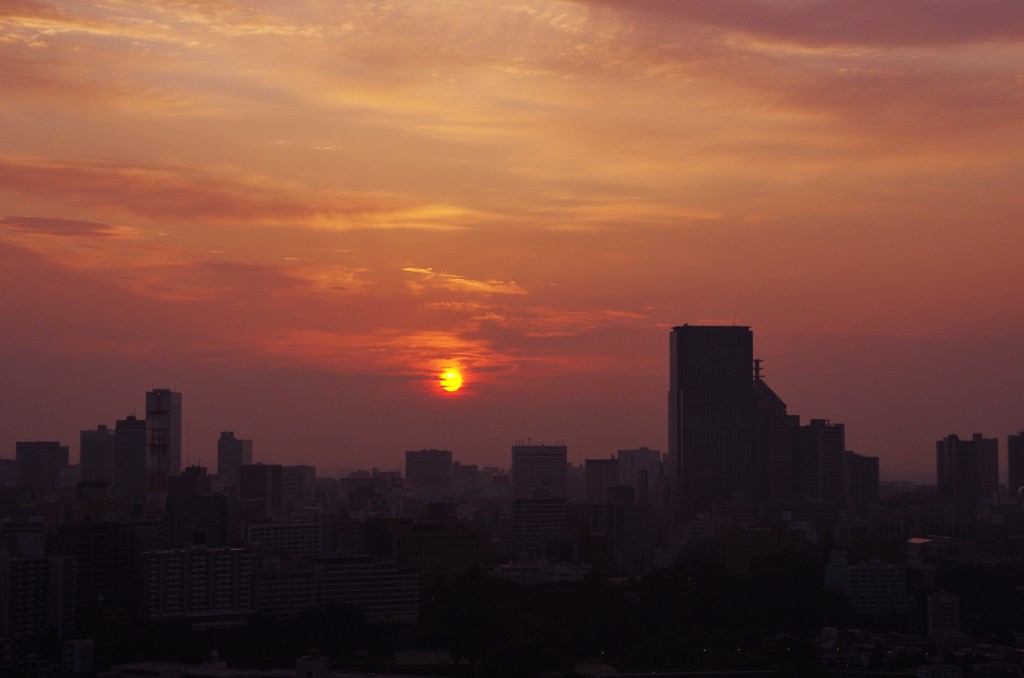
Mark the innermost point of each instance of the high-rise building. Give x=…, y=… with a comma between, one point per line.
x=232, y=454
x=967, y=471
x=130, y=471
x=539, y=471
x=96, y=454
x=602, y=475
x=862, y=477
x=1015, y=463
x=642, y=469
x=537, y=524
x=193, y=482
x=632, y=462
x=39, y=463
x=819, y=469
x=37, y=596
x=298, y=485
x=260, y=488
x=198, y=519
x=163, y=440
x=211, y=585
x=429, y=468
x=711, y=415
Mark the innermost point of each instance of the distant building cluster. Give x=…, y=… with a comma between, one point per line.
x=127, y=537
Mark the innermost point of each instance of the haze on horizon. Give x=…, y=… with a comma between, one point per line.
x=299, y=213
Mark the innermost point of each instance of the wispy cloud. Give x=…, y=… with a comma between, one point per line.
x=69, y=228
x=219, y=196
x=893, y=23
x=427, y=278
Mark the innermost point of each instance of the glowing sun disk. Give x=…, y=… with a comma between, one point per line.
x=450, y=380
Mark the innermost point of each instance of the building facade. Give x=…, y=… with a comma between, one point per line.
x=539, y=471
x=163, y=440
x=96, y=454
x=232, y=454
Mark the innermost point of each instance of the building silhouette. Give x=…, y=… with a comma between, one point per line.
x=298, y=486
x=429, y=468
x=640, y=469
x=1015, y=463
x=260, y=489
x=539, y=471
x=130, y=470
x=232, y=454
x=736, y=453
x=711, y=415
x=163, y=441
x=96, y=454
x=38, y=464
x=819, y=466
x=601, y=475
x=967, y=471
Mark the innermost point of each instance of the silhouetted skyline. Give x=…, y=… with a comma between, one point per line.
x=305, y=213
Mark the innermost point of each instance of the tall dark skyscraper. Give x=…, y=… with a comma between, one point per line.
x=967, y=471
x=1015, y=463
x=130, y=471
x=736, y=450
x=232, y=454
x=539, y=471
x=711, y=414
x=163, y=440
x=96, y=454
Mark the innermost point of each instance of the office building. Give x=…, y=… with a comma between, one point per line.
x=37, y=596
x=862, y=476
x=260, y=489
x=441, y=549
x=96, y=454
x=294, y=539
x=614, y=534
x=130, y=471
x=538, y=526
x=633, y=462
x=429, y=468
x=298, y=486
x=819, y=474
x=198, y=519
x=601, y=475
x=539, y=471
x=163, y=441
x=1015, y=464
x=873, y=587
x=193, y=482
x=381, y=590
x=106, y=564
x=711, y=416
x=211, y=586
x=39, y=464
x=967, y=471
x=232, y=454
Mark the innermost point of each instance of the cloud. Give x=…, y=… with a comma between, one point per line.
x=71, y=228
x=165, y=193
x=885, y=23
x=428, y=278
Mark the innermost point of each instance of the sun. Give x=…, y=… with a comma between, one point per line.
x=450, y=380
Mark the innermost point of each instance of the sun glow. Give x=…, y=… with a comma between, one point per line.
x=450, y=380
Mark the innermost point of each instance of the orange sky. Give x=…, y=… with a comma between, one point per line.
x=298, y=212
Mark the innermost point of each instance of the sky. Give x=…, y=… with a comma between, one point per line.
x=299, y=213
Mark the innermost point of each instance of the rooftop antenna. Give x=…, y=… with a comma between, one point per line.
x=757, y=369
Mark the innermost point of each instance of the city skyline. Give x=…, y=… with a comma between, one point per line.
x=303, y=214
x=731, y=347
